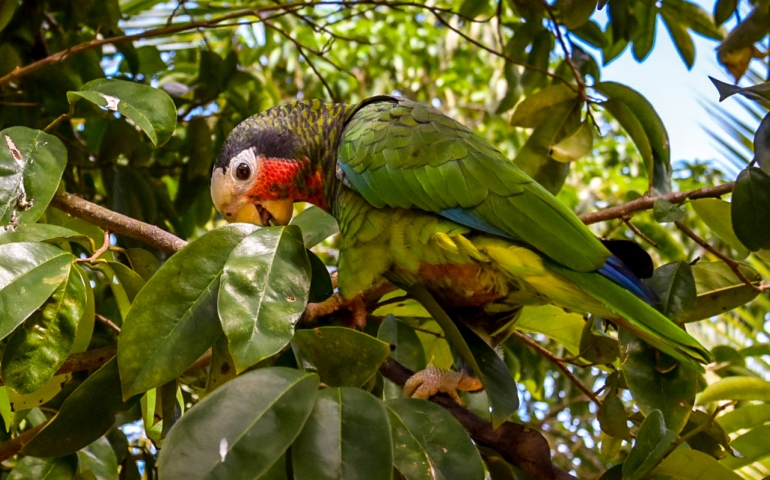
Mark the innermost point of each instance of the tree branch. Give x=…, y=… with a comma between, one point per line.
x=646, y=203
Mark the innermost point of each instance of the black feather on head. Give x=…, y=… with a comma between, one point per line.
x=267, y=141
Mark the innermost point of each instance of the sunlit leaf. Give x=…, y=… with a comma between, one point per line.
x=685, y=464
x=716, y=214
x=735, y=388
x=652, y=442
x=63, y=468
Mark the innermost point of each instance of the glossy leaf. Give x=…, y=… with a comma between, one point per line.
x=746, y=416
x=263, y=292
x=99, y=459
x=316, y=226
x=41, y=232
x=131, y=282
x=751, y=207
x=39, y=347
x=344, y=357
x=223, y=436
x=537, y=107
x=84, y=416
x=87, y=320
x=575, y=146
x=63, y=468
x=736, y=388
x=321, y=286
x=638, y=117
x=553, y=322
x=31, y=166
x=675, y=285
x=149, y=108
x=652, y=441
x=752, y=446
x=719, y=289
x=429, y=444
x=716, y=214
x=685, y=464
x=670, y=392
x=29, y=274
x=45, y=392
x=346, y=437
x=408, y=350
x=173, y=319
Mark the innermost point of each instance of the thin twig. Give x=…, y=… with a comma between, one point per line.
x=581, y=85
x=627, y=220
x=734, y=266
x=108, y=323
x=98, y=253
x=646, y=203
x=559, y=364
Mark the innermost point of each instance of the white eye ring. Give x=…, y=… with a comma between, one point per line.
x=243, y=165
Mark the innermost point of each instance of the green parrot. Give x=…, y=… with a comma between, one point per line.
x=422, y=200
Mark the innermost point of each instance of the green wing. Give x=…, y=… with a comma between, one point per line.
x=404, y=154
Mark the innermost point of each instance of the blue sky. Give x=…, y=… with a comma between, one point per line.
x=675, y=92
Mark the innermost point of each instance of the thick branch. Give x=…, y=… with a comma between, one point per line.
x=646, y=203
x=523, y=447
x=105, y=218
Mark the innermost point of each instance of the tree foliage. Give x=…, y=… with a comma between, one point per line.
x=142, y=337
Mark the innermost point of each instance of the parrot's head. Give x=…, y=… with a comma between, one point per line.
x=260, y=173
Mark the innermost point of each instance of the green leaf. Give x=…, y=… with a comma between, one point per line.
x=762, y=144
x=151, y=109
x=63, y=468
x=719, y=289
x=685, y=464
x=87, y=414
x=42, y=232
x=596, y=345
x=173, y=320
x=321, y=286
x=756, y=350
x=31, y=166
x=316, y=226
x=429, y=444
x=537, y=107
x=675, y=285
x=99, y=459
x=751, y=208
x=553, y=322
x=591, y=33
x=575, y=146
x=736, y=388
x=39, y=347
x=612, y=416
x=344, y=357
x=644, y=37
x=694, y=17
x=745, y=416
x=666, y=212
x=263, y=292
x=131, y=282
x=574, y=13
x=678, y=31
x=652, y=442
x=709, y=438
x=347, y=436
x=716, y=214
x=670, y=392
x=752, y=446
x=224, y=435
x=638, y=117
x=473, y=8
x=408, y=350
x=142, y=262
x=759, y=92
x=7, y=9
x=45, y=392
x=723, y=10
x=29, y=274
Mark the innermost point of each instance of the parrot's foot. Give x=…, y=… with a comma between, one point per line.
x=336, y=302
x=433, y=380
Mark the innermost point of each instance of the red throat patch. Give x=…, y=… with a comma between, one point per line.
x=280, y=178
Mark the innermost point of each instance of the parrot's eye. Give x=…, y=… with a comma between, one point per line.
x=243, y=171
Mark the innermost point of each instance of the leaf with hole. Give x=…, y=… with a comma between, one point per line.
x=151, y=109
x=31, y=167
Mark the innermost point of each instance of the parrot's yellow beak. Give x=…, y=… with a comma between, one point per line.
x=231, y=201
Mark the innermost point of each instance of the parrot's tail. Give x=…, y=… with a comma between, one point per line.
x=619, y=273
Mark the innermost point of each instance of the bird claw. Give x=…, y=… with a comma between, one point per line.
x=336, y=302
x=426, y=383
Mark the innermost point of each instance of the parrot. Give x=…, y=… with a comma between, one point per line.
x=422, y=200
